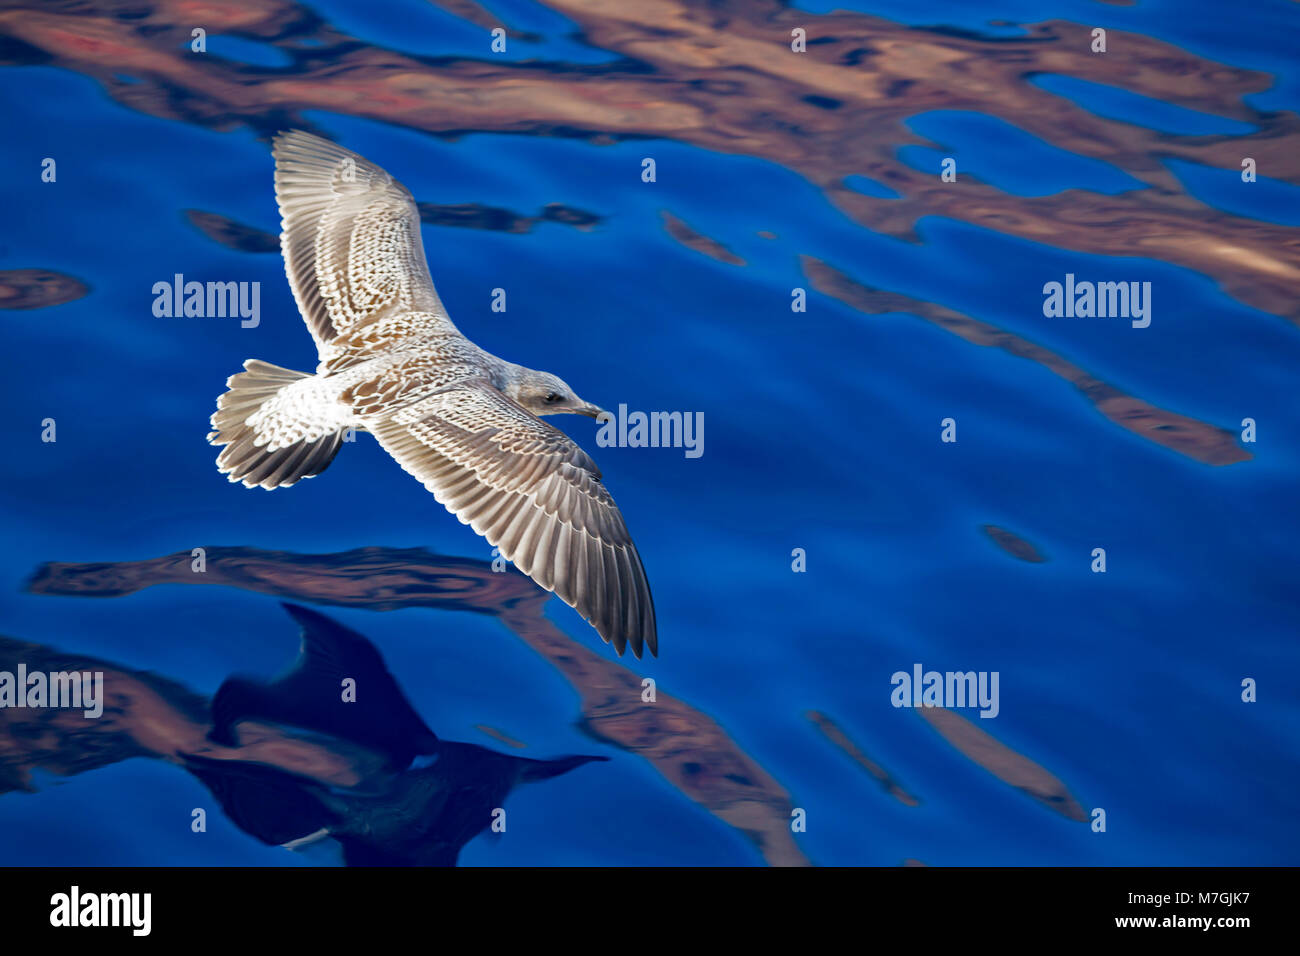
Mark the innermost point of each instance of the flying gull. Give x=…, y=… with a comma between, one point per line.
x=462, y=421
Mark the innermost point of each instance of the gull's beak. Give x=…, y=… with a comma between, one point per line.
x=591, y=411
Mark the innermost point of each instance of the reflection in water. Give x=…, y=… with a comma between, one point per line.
x=1013, y=544
x=419, y=814
x=245, y=238
x=720, y=79
x=352, y=780
x=1195, y=439
x=698, y=241
x=496, y=734
x=1003, y=762
x=688, y=747
x=231, y=234
x=374, y=712
x=882, y=776
x=146, y=715
x=38, y=288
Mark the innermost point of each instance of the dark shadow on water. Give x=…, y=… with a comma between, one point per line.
x=368, y=774
x=373, y=774
x=430, y=798
x=685, y=745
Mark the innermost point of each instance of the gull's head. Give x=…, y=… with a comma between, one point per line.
x=545, y=394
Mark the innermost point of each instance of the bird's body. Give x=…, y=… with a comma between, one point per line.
x=459, y=419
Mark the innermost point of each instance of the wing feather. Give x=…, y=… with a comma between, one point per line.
x=350, y=236
x=534, y=494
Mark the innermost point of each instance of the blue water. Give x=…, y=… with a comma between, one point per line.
x=822, y=433
x=1116, y=103
x=986, y=147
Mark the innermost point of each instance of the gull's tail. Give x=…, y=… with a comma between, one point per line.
x=266, y=441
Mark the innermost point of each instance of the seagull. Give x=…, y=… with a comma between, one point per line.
x=460, y=420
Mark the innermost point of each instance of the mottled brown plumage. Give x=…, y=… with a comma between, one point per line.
x=462, y=421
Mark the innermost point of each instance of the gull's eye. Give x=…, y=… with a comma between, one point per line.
x=553, y=397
